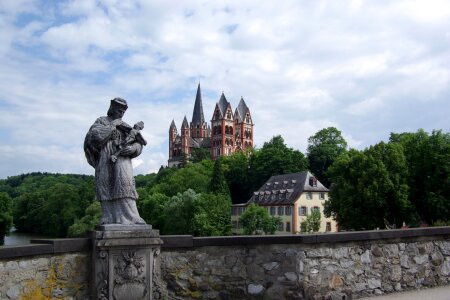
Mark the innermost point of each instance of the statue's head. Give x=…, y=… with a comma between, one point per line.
x=117, y=108
x=139, y=125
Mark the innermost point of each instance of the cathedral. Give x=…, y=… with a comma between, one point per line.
x=227, y=133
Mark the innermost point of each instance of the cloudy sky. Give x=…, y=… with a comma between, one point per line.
x=366, y=67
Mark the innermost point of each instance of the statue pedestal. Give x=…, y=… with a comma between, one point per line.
x=123, y=260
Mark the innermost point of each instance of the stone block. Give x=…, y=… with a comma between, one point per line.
x=374, y=283
x=123, y=264
x=366, y=257
x=255, y=289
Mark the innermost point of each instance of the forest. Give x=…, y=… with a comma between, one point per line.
x=402, y=182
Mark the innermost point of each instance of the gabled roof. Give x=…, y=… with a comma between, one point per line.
x=198, y=116
x=285, y=189
x=241, y=111
x=185, y=123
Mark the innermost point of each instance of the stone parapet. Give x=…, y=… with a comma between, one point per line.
x=346, y=265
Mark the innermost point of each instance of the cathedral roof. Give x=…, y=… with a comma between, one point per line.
x=200, y=142
x=241, y=110
x=185, y=123
x=197, y=115
x=286, y=189
x=223, y=104
x=172, y=125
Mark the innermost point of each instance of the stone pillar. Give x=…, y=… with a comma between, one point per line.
x=123, y=260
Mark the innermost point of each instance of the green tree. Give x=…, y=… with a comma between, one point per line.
x=323, y=149
x=193, y=176
x=199, y=154
x=218, y=184
x=236, y=168
x=312, y=222
x=428, y=161
x=6, y=219
x=274, y=158
x=27, y=211
x=179, y=213
x=88, y=222
x=151, y=209
x=369, y=188
x=61, y=208
x=213, y=215
x=256, y=220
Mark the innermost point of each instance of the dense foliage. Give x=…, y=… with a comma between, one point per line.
x=323, y=148
x=404, y=181
x=6, y=219
x=49, y=203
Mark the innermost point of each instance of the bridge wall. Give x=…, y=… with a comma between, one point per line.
x=323, y=266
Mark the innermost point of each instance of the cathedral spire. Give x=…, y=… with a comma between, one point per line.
x=185, y=123
x=172, y=125
x=197, y=116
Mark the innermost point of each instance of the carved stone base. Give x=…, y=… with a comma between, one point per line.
x=124, y=263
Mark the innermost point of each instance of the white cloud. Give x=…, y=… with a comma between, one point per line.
x=365, y=107
x=367, y=68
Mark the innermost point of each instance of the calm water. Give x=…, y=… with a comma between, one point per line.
x=19, y=238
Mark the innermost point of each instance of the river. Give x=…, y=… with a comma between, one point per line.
x=19, y=238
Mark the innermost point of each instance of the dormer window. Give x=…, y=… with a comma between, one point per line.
x=312, y=181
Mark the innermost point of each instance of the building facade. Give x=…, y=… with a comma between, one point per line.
x=292, y=197
x=229, y=132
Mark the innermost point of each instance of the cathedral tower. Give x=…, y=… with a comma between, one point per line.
x=199, y=128
x=222, y=124
x=243, y=126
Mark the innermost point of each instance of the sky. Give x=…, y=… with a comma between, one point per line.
x=368, y=68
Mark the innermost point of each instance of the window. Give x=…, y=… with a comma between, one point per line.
x=322, y=196
x=288, y=211
x=316, y=208
x=309, y=196
x=235, y=224
x=328, y=227
x=280, y=209
x=280, y=226
x=288, y=226
x=272, y=210
x=240, y=210
x=312, y=181
x=302, y=211
x=234, y=211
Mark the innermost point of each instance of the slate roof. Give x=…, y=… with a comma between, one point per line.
x=222, y=104
x=185, y=123
x=285, y=189
x=172, y=125
x=241, y=111
x=200, y=142
x=198, y=116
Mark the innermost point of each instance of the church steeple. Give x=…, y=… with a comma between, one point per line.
x=197, y=115
x=198, y=124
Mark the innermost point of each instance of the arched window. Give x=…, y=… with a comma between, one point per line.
x=231, y=130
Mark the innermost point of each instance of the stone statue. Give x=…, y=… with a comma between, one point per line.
x=110, y=144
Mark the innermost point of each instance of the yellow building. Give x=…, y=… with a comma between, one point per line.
x=292, y=197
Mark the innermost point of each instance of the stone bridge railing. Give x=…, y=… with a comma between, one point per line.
x=346, y=265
